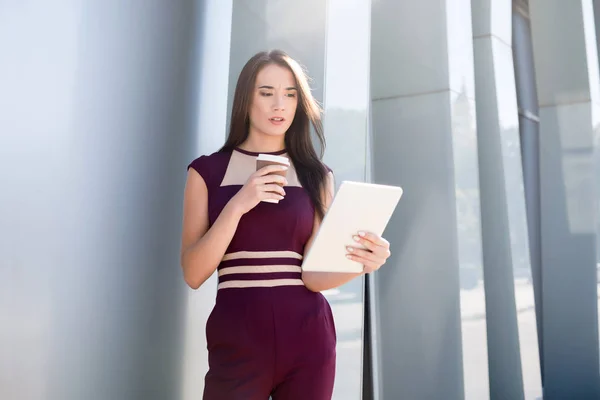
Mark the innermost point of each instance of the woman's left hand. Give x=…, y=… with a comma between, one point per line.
x=374, y=256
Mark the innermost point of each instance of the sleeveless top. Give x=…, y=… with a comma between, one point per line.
x=268, y=246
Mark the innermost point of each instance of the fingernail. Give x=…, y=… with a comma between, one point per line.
x=350, y=249
x=283, y=168
x=348, y=256
x=356, y=238
x=361, y=234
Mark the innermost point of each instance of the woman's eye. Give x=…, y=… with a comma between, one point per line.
x=291, y=95
x=266, y=94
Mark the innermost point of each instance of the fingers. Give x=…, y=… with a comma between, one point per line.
x=374, y=254
x=270, y=169
x=273, y=188
x=365, y=256
x=271, y=196
x=369, y=264
x=373, y=238
x=266, y=179
x=374, y=243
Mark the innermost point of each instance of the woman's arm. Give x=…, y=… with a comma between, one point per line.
x=319, y=281
x=202, y=249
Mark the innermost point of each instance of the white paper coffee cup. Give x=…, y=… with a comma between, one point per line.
x=264, y=160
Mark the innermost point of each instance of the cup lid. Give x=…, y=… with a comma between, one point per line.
x=273, y=158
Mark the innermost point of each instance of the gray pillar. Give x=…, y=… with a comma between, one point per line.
x=96, y=127
x=529, y=131
x=425, y=141
x=347, y=59
x=511, y=319
x=211, y=64
x=566, y=67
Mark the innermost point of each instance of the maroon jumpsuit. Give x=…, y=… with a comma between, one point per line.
x=268, y=335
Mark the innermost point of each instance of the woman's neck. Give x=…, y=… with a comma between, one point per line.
x=263, y=143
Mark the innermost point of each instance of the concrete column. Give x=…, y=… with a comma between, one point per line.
x=432, y=334
x=96, y=127
x=566, y=65
x=511, y=319
x=212, y=37
x=347, y=59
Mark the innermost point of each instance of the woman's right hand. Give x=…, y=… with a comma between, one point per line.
x=262, y=185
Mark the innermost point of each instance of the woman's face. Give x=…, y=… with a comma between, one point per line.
x=274, y=101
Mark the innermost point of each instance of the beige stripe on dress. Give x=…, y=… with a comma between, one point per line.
x=261, y=283
x=259, y=269
x=262, y=254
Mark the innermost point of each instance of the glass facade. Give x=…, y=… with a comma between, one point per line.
x=483, y=111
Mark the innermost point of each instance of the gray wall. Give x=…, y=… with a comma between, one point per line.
x=95, y=130
x=211, y=52
x=566, y=65
x=431, y=316
x=514, y=368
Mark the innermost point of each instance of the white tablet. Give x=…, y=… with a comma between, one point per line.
x=356, y=207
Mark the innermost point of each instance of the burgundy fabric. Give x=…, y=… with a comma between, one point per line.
x=260, y=261
x=267, y=276
x=266, y=341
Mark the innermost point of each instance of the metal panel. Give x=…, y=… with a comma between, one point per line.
x=96, y=128
x=568, y=197
x=511, y=315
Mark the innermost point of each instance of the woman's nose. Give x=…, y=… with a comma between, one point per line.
x=279, y=104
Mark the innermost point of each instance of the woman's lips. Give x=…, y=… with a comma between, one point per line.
x=277, y=120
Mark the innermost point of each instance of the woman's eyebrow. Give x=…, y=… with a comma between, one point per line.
x=271, y=87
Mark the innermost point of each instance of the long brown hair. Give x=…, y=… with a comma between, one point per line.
x=310, y=169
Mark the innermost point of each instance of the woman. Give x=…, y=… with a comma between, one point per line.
x=271, y=332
